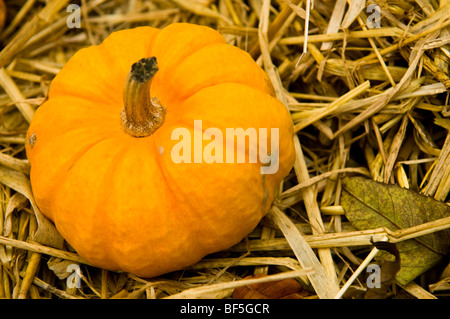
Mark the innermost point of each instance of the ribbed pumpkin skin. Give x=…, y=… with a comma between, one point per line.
x=121, y=202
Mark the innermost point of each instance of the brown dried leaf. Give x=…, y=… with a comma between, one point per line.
x=46, y=233
x=281, y=289
x=60, y=267
x=16, y=202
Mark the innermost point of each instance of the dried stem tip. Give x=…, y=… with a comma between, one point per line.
x=141, y=115
x=144, y=69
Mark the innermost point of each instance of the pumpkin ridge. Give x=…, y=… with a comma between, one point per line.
x=87, y=112
x=96, y=227
x=179, y=110
x=85, y=151
x=111, y=47
x=189, y=121
x=200, y=62
x=228, y=82
x=108, y=180
x=175, y=189
x=118, y=247
x=155, y=147
x=174, y=66
x=187, y=199
x=59, y=88
x=58, y=172
x=184, y=56
x=202, y=233
x=77, y=157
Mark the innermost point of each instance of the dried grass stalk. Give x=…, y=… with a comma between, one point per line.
x=324, y=286
x=365, y=101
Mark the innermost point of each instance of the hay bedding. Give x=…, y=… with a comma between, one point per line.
x=364, y=100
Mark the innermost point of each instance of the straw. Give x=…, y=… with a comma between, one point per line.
x=363, y=101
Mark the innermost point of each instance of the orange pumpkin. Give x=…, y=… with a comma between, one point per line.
x=102, y=148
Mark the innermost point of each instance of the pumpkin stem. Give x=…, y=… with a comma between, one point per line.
x=141, y=115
